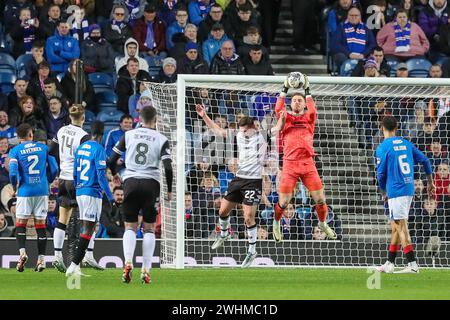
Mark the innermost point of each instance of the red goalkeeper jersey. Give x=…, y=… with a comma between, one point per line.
x=298, y=133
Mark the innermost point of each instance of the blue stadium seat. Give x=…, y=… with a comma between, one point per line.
x=442, y=60
x=7, y=77
x=107, y=108
x=347, y=67
x=393, y=64
x=101, y=81
x=7, y=62
x=20, y=64
x=418, y=68
x=109, y=116
x=5, y=45
x=89, y=116
x=6, y=88
x=106, y=99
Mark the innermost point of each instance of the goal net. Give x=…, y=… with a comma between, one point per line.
x=346, y=135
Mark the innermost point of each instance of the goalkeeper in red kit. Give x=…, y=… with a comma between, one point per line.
x=297, y=131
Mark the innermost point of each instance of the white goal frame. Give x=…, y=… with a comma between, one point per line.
x=184, y=81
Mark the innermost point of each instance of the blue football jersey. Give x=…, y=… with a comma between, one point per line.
x=395, y=166
x=28, y=167
x=90, y=170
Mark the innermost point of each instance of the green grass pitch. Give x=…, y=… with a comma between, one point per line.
x=225, y=283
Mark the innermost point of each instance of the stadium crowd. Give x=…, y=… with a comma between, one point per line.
x=125, y=44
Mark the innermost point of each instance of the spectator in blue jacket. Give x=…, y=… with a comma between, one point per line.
x=12, y=12
x=198, y=10
x=352, y=39
x=215, y=40
x=114, y=135
x=61, y=48
x=177, y=26
x=225, y=176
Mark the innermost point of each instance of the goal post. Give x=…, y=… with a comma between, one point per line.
x=346, y=136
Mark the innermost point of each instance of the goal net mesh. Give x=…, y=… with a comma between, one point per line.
x=346, y=136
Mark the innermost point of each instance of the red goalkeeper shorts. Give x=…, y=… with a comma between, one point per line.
x=303, y=169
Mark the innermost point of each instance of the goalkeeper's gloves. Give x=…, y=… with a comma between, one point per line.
x=285, y=89
x=306, y=85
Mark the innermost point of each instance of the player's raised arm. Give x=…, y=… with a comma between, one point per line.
x=281, y=100
x=310, y=104
x=209, y=122
x=421, y=158
x=280, y=123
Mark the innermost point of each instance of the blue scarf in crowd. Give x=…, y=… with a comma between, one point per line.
x=132, y=5
x=150, y=39
x=356, y=38
x=204, y=9
x=76, y=30
x=28, y=38
x=170, y=3
x=402, y=37
x=118, y=25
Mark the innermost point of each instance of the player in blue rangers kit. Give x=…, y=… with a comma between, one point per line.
x=395, y=173
x=89, y=176
x=28, y=169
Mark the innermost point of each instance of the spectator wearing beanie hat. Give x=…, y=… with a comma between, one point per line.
x=168, y=74
x=96, y=52
x=192, y=63
x=382, y=65
x=371, y=68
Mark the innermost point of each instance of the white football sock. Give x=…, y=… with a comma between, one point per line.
x=129, y=245
x=148, y=248
x=252, y=236
x=58, y=240
x=22, y=251
x=90, y=248
x=224, y=225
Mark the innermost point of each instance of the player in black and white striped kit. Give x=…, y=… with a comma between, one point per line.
x=145, y=148
x=246, y=187
x=63, y=147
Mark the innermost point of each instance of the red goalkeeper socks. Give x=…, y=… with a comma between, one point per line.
x=278, y=212
x=322, y=210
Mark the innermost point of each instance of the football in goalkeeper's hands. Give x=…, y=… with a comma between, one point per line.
x=296, y=80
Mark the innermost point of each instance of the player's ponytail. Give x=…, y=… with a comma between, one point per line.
x=76, y=113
